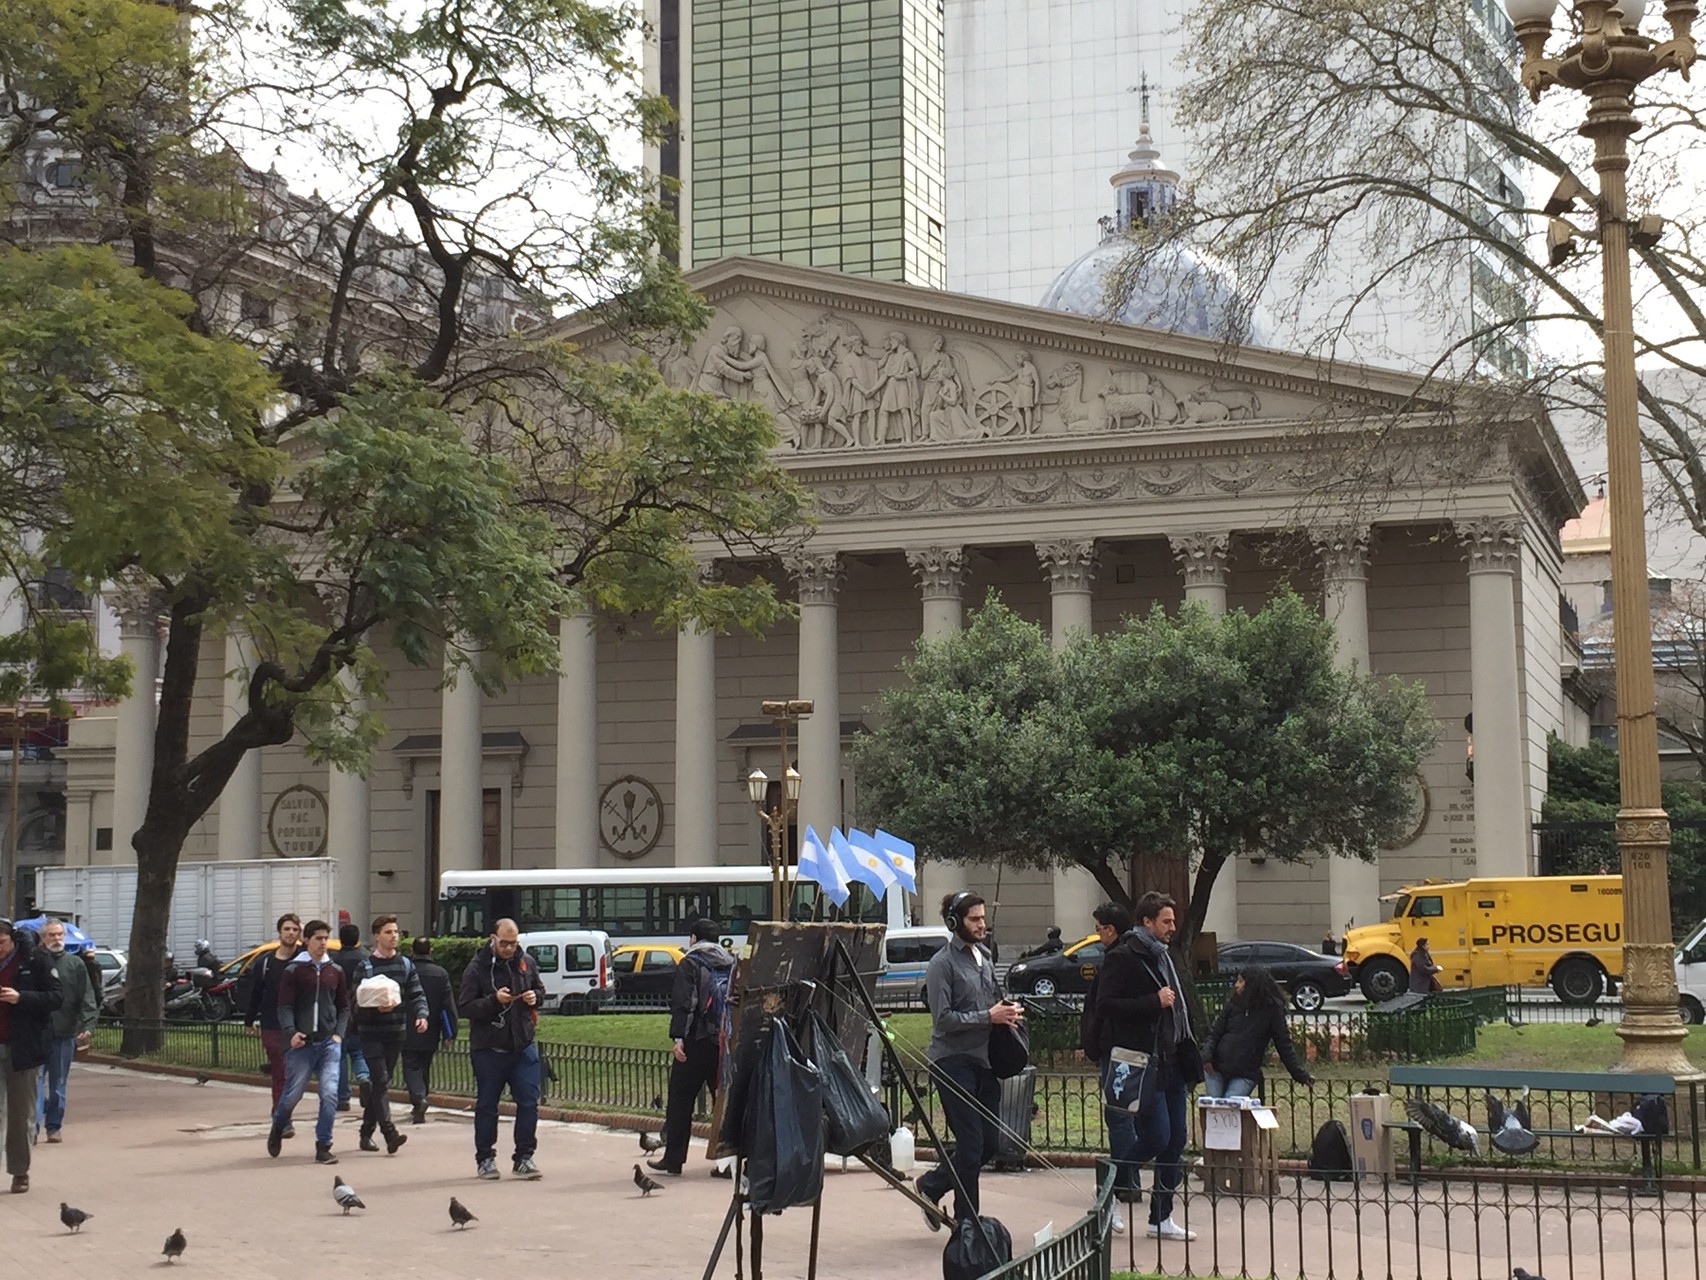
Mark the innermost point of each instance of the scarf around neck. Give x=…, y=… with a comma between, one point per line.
x=1158, y=949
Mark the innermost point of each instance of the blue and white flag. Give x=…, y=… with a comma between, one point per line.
x=870, y=864
x=901, y=858
x=820, y=864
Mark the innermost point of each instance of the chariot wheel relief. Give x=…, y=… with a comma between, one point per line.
x=995, y=412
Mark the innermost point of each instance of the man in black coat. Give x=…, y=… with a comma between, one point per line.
x=29, y=993
x=349, y=957
x=501, y=996
x=419, y=1046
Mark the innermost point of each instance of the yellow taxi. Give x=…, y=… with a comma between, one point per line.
x=645, y=972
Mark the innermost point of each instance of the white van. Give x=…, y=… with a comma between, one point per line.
x=576, y=967
x=906, y=954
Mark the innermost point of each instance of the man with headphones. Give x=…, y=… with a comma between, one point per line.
x=965, y=1003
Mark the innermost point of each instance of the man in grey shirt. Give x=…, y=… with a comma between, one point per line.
x=965, y=1002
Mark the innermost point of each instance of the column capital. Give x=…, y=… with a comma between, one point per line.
x=1344, y=550
x=1202, y=556
x=139, y=610
x=1493, y=544
x=941, y=571
x=818, y=574
x=1069, y=563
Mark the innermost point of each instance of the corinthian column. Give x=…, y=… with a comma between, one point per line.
x=819, y=578
x=1071, y=569
x=133, y=746
x=1353, y=886
x=349, y=825
x=696, y=745
x=941, y=577
x=1494, y=547
x=577, y=741
x=1202, y=557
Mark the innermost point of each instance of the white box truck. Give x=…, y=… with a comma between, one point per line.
x=231, y=904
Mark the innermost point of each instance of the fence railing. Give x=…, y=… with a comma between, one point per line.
x=1080, y=1252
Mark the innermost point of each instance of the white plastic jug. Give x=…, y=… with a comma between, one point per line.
x=901, y=1157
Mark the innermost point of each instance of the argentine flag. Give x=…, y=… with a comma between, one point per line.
x=870, y=864
x=820, y=864
x=900, y=856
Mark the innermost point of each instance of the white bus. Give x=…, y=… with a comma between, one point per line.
x=640, y=904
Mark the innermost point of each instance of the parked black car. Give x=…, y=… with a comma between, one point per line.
x=1309, y=977
x=1066, y=973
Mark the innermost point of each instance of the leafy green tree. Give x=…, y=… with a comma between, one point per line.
x=1190, y=735
x=1582, y=799
x=337, y=420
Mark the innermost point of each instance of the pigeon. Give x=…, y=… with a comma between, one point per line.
x=645, y=1184
x=459, y=1215
x=649, y=1143
x=1509, y=1127
x=1439, y=1122
x=345, y=1195
x=73, y=1218
x=1594, y=1021
x=657, y=1102
x=203, y=1078
x=1517, y=1273
x=175, y=1246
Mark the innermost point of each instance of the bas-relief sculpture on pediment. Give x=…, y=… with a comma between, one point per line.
x=836, y=383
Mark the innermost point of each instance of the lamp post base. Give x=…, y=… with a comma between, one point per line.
x=1652, y=1029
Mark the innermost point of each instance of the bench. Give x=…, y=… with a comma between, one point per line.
x=1470, y=1084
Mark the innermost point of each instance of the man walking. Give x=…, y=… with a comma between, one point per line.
x=349, y=956
x=261, y=1003
x=1096, y=1039
x=696, y=1005
x=382, y=1022
x=501, y=991
x=965, y=1004
x=73, y=1023
x=29, y=993
x=420, y=1046
x=313, y=1015
x=1138, y=1002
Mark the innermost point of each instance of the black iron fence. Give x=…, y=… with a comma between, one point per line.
x=1081, y=1252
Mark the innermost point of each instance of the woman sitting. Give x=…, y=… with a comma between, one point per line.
x=1237, y=1044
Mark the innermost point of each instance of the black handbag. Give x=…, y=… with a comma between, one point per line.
x=1009, y=1050
x=1187, y=1061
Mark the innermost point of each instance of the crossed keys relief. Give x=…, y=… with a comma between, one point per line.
x=630, y=817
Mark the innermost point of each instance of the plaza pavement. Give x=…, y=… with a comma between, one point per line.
x=146, y=1153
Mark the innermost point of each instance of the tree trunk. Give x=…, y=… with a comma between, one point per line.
x=1110, y=883
x=1190, y=928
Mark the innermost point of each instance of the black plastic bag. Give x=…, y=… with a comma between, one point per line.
x=1009, y=1050
x=1330, y=1153
x=978, y=1247
x=854, y=1117
x=783, y=1137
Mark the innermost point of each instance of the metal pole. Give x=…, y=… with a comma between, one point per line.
x=11, y=863
x=1651, y=1029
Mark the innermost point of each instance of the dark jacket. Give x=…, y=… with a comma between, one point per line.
x=349, y=960
x=506, y=1028
x=313, y=999
x=29, y=1023
x=690, y=992
x=1094, y=1038
x=1128, y=997
x=390, y=1024
x=258, y=990
x=1237, y=1043
x=1422, y=970
x=441, y=1000
x=78, y=1009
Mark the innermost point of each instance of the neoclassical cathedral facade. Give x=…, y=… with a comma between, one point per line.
x=955, y=447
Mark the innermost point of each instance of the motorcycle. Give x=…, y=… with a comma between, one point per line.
x=198, y=994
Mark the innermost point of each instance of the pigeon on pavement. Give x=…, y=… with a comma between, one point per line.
x=459, y=1215
x=649, y=1143
x=202, y=1078
x=1436, y=1120
x=657, y=1102
x=345, y=1195
x=73, y=1218
x=175, y=1246
x=645, y=1184
x=1509, y=1127
x=1517, y=1273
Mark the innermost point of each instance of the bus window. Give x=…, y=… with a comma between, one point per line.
x=678, y=908
x=550, y=907
x=463, y=917
x=738, y=905
x=622, y=911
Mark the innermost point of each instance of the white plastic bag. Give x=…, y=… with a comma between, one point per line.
x=378, y=992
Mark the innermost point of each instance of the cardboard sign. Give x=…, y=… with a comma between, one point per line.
x=1221, y=1129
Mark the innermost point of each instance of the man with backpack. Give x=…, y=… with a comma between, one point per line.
x=696, y=1007
x=353, y=1078
x=388, y=999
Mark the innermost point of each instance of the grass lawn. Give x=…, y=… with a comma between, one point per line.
x=651, y=1031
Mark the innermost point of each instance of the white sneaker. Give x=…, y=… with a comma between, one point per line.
x=1119, y=1221
x=1169, y=1230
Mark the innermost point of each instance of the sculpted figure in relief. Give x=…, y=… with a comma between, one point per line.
x=1009, y=403
x=1207, y=404
x=1067, y=384
x=859, y=372
x=727, y=371
x=898, y=379
x=823, y=418
x=945, y=415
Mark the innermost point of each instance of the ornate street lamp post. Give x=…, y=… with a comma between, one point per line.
x=782, y=713
x=1606, y=59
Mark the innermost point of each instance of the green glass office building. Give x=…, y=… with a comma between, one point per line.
x=811, y=131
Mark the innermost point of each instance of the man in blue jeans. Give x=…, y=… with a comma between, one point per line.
x=965, y=1004
x=500, y=1001
x=353, y=1073
x=313, y=1017
x=73, y=1024
x=1137, y=1001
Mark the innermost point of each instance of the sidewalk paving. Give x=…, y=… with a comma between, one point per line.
x=147, y=1153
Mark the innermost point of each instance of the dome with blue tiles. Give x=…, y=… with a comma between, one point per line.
x=1180, y=289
